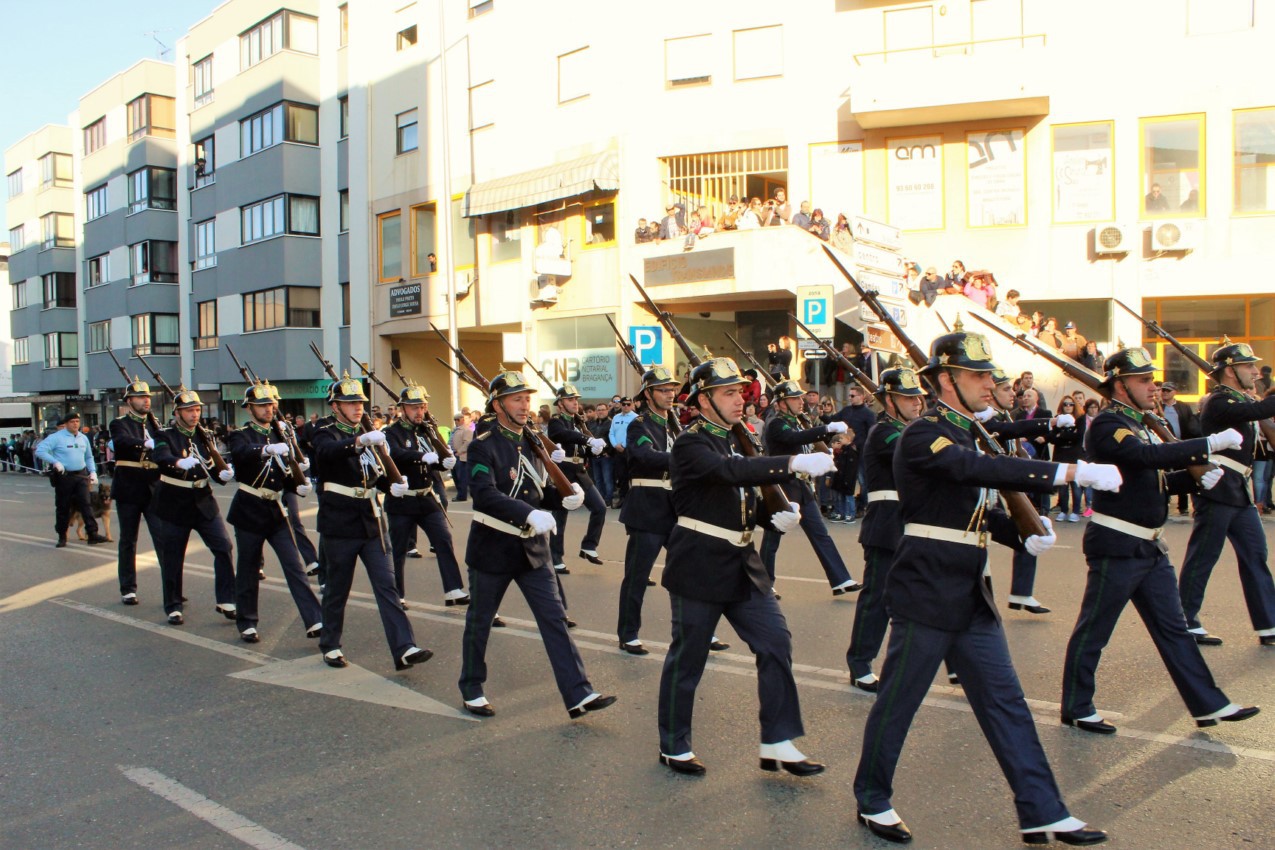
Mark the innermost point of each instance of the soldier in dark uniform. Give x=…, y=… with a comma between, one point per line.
x=901, y=399
x=940, y=605
x=578, y=444
x=1128, y=559
x=350, y=529
x=712, y=570
x=415, y=457
x=1226, y=512
x=258, y=516
x=509, y=542
x=133, y=482
x=785, y=437
x=184, y=502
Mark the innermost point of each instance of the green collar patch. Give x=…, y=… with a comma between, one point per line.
x=1232, y=392
x=137, y=418
x=182, y=429
x=1121, y=407
x=516, y=436
x=346, y=429
x=259, y=428
x=658, y=418
x=960, y=421
x=714, y=429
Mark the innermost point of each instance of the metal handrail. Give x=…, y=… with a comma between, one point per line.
x=1022, y=39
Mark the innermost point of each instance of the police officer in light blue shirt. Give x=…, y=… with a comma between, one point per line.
x=70, y=456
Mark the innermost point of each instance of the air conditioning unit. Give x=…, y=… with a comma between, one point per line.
x=544, y=290
x=1112, y=239
x=1173, y=236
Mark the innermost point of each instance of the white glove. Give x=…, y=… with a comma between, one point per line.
x=92, y=479
x=786, y=521
x=816, y=463
x=372, y=438
x=1038, y=544
x=986, y=414
x=1223, y=440
x=304, y=465
x=575, y=500
x=280, y=449
x=430, y=458
x=226, y=475
x=597, y=444
x=148, y=443
x=58, y=467
x=305, y=489
x=1064, y=420
x=558, y=456
x=836, y=427
x=1100, y=476
x=1209, y=479
x=187, y=463
x=399, y=488
x=449, y=463
x=541, y=522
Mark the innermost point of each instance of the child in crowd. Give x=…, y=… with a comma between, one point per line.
x=843, y=481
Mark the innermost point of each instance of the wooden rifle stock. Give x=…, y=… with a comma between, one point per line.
x=817, y=445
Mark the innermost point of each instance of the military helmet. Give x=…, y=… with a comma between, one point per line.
x=506, y=382
x=567, y=391
x=413, y=394
x=137, y=388
x=786, y=390
x=658, y=376
x=1126, y=362
x=1000, y=376
x=346, y=389
x=261, y=392
x=900, y=381
x=960, y=350
x=185, y=398
x=1231, y=353
x=716, y=372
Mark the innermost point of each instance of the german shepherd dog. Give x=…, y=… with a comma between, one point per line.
x=100, y=501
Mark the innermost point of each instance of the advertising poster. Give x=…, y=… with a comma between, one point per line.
x=914, y=174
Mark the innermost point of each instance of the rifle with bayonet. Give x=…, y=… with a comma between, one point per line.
x=469, y=379
x=381, y=451
x=205, y=438
x=817, y=445
x=576, y=418
x=431, y=434
x=772, y=494
x=1021, y=510
x=294, y=458
x=150, y=417
x=674, y=426
x=434, y=435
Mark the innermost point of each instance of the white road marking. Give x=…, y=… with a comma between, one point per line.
x=214, y=814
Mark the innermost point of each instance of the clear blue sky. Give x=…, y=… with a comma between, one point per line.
x=56, y=52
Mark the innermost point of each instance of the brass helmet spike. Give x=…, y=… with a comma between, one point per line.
x=1225, y=340
x=957, y=324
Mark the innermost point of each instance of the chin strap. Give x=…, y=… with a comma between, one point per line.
x=956, y=388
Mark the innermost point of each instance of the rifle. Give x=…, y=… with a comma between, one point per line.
x=772, y=494
x=861, y=377
x=1021, y=510
x=150, y=417
x=817, y=445
x=576, y=418
x=674, y=426
x=210, y=449
x=380, y=451
x=467, y=378
x=295, y=457
x=431, y=434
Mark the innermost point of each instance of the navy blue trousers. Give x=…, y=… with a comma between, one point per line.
x=305, y=545
x=341, y=554
x=128, y=517
x=592, y=535
x=403, y=537
x=1214, y=525
x=247, y=582
x=1024, y=575
x=870, y=615
x=639, y=557
x=212, y=531
x=817, y=533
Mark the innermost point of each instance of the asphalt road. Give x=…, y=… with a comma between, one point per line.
x=120, y=731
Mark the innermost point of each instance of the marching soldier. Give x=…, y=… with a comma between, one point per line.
x=785, y=437
x=258, y=516
x=1226, y=512
x=1127, y=556
x=133, y=482
x=940, y=605
x=712, y=570
x=565, y=430
x=420, y=505
x=901, y=399
x=184, y=502
x=508, y=542
x=350, y=529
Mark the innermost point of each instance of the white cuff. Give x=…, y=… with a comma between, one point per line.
x=1060, y=476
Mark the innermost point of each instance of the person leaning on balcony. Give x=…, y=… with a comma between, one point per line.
x=778, y=210
x=954, y=282
x=1073, y=344
x=730, y=218
x=841, y=237
x=750, y=219
x=643, y=233
x=1049, y=334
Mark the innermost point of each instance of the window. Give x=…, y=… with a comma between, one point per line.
x=17, y=239
x=344, y=11
x=463, y=236
x=345, y=304
x=759, y=52
x=95, y=203
x=345, y=116
x=152, y=188
x=480, y=7
x=407, y=140
x=57, y=230
x=482, y=106
x=155, y=333
x=1255, y=160
x=99, y=336
x=599, y=224
x=207, y=331
x=152, y=115
x=97, y=270
x=202, y=79
x=55, y=170
x=21, y=351
x=406, y=38
x=94, y=136
x=206, y=244
x=205, y=162
x=303, y=215
x=506, y=237
x=1084, y=173
x=294, y=214
x=574, y=75
x=61, y=350
x=19, y=294
x=153, y=262
x=389, y=226
x=284, y=306
x=15, y=183
x=423, y=244
x=59, y=289
x=1172, y=170
x=345, y=211
x=283, y=122
x=284, y=30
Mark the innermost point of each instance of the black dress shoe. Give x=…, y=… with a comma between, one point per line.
x=479, y=710
x=1207, y=640
x=592, y=559
x=953, y=679
x=650, y=582
x=718, y=646
x=1266, y=640
x=593, y=705
x=335, y=661
x=805, y=767
x=61, y=544
x=315, y=631
x=1243, y=714
x=562, y=570
x=571, y=624
x=416, y=655
x=414, y=554
x=896, y=832
x=870, y=687
x=464, y=600
x=850, y=588
x=129, y=599
x=250, y=636
x=691, y=766
x=228, y=613
x=261, y=575
x=1078, y=837
x=1030, y=609
x=1100, y=727
x=635, y=649
x=95, y=539
x=497, y=623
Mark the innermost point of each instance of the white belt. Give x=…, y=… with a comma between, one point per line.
x=1233, y=465
x=947, y=535
x=883, y=496
x=139, y=464
x=1129, y=528
x=352, y=492
x=181, y=482
x=730, y=535
x=508, y=528
x=261, y=492
x=663, y=483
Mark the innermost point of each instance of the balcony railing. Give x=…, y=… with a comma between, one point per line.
x=952, y=48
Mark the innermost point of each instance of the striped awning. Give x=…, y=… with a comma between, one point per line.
x=541, y=185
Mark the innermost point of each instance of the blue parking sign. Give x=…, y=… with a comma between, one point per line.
x=647, y=342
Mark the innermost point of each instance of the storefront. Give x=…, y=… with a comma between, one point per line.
x=300, y=398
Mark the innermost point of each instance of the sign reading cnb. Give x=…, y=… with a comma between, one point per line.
x=594, y=371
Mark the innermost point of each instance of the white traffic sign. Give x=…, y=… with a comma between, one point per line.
x=814, y=308
x=817, y=354
x=876, y=232
x=883, y=285
x=897, y=312
x=878, y=259
x=881, y=339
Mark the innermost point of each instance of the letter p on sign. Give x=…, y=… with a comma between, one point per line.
x=647, y=342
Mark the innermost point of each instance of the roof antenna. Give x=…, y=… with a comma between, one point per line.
x=164, y=51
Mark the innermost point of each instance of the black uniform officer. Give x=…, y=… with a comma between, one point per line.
x=712, y=570
x=901, y=398
x=578, y=444
x=350, y=527
x=133, y=482
x=420, y=507
x=1227, y=512
x=184, y=502
x=258, y=517
x=785, y=436
x=509, y=542
x=940, y=605
x=1127, y=558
